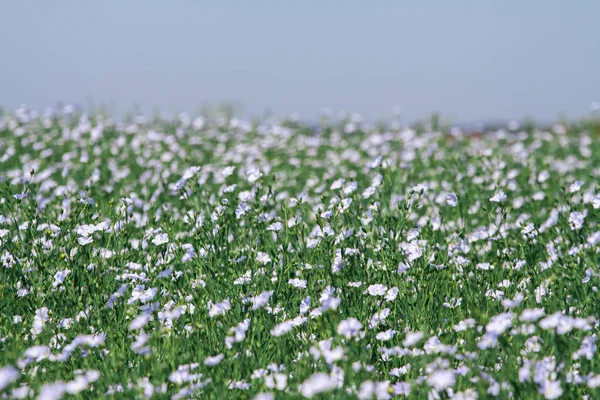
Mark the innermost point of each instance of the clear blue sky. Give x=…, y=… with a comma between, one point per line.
x=469, y=60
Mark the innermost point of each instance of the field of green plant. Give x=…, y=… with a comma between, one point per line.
x=218, y=258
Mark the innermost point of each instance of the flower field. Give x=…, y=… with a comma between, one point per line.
x=213, y=257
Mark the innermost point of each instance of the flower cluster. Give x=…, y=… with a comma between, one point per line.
x=219, y=258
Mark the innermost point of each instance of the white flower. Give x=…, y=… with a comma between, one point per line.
x=551, y=389
x=77, y=385
x=39, y=320
x=452, y=200
x=190, y=172
x=412, y=338
x=142, y=295
x=305, y=305
x=52, y=391
x=594, y=238
x=298, y=283
x=441, y=379
x=261, y=300
x=140, y=341
x=469, y=394
x=464, y=325
x=376, y=290
x=219, y=308
x=543, y=176
x=368, y=389
x=165, y=273
x=499, y=324
x=228, y=171
x=575, y=186
x=593, y=382
x=83, y=240
x=253, y=175
x=565, y=325
x=376, y=162
x=368, y=192
x=588, y=348
x=237, y=334
x=7, y=375
x=318, y=383
x=528, y=230
x=60, y=276
x=246, y=195
x=160, y=238
x=275, y=227
x=414, y=252
x=513, y=303
x=378, y=318
x=241, y=210
x=498, y=197
x=484, y=266
x=596, y=201
x=278, y=381
x=350, y=188
x=282, y=328
x=264, y=396
x=337, y=184
x=391, y=294
x=386, y=335
x=539, y=196
x=21, y=392
x=453, y=303
x=263, y=258
x=139, y=322
x=331, y=303
x=576, y=220
x=214, y=360
x=401, y=389
x=552, y=320
x=487, y=341
x=349, y=328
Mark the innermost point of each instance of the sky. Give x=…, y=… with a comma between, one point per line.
x=468, y=60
